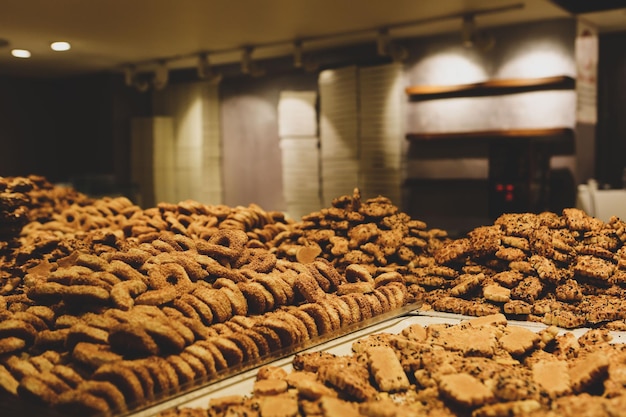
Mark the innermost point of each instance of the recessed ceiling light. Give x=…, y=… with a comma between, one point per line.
x=20, y=53
x=60, y=46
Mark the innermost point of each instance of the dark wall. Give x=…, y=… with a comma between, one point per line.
x=68, y=129
x=28, y=128
x=611, y=129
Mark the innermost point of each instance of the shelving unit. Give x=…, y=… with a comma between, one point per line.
x=491, y=87
x=548, y=133
x=519, y=159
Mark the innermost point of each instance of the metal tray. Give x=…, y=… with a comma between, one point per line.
x=242, y=383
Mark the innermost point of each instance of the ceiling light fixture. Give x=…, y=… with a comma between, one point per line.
x=205, y=71
x=300, y=60
x=297, y=53
x=386, y=47
x=383, y=40
x=60, y=46
x=131, y=79
x=248, y=66
x=384, y=44
x=161, y=76
x=474, y=38
x=20, y=53
x=468, y=30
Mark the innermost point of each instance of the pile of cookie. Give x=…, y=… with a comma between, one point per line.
x=111, y=307
x=484, y=367
x=31, y=198
x=14, y=203
x=568, y=270
x=373, y=233
x=106, y=307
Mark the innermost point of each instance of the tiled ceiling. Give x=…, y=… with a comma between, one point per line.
x=110, y=34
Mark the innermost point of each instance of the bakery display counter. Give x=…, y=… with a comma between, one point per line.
x=242, y=382
x=503, y=368
x=110, y=309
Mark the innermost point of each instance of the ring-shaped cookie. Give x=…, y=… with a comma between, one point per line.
x=197, y=366
x=108, y=392
x=235, y=296
x=124, y=379
x=94, y=355
x=257, y=259
x=258, y=298
x=217, y=301
x=157, y=297
x=202, y=309
x=224, y=243
x=205, y=356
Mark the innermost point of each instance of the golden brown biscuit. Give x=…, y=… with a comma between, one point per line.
x=8, y=382
x=282, y=405
x=517, y=307
x=123, y=293
x=518, y=340
x=106, y=391
x=41, y=389
x=351, y=382
x=361, y=287
x=386, y=369
x=69, y=375
x=588, y=370
x=342, y=309
x=133, y=339
x=202, y=310
x=184, y=308
x=218, y=357
x=35, y=321
x=309, y=288
x=308, y=321
x=269, y=387
x=496, y=293
x=78, y=402
x=157, y=297
x=166, y=337
x=465, y=390
x=358, y=273
x=552, y=377
x=270, y=336
x=83, y=333
x=19, y=329
x=275, y=286
x=196, y=365
x=217, y=301
x=94, y=355
x=259, y=300
x=332, y=406
x=51, y=339
x=234, y=294
x=260, y=341
x=184, y=373
x=353, y=307
x=246, y=345
x=363, y=304
x=10, y=344
x=20, y=367
x=229, y=349
x=510, y=408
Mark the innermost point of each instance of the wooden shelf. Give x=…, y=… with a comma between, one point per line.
x=492, y=134
x=491, y=87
